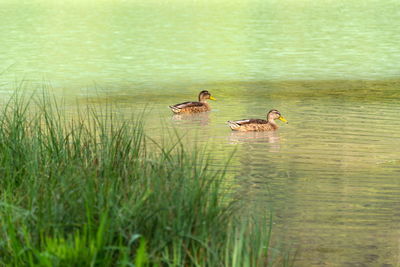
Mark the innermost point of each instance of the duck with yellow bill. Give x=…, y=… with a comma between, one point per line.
x=195, y=106
x=258, y=124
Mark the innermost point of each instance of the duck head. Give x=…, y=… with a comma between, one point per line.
x=204, y=95
x=274, y=114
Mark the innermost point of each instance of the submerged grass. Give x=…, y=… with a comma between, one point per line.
x=91, y=191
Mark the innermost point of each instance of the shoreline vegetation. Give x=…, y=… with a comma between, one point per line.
x=89, y=191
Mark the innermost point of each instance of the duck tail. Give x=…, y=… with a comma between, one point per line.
x=233, y=125
x=174, y=109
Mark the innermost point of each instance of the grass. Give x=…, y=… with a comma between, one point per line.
x=95, y=191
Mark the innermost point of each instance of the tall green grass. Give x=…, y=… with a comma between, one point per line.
x=94, y=191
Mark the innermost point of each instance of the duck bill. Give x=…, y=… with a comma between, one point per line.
x=212, y=98
x=283, y=119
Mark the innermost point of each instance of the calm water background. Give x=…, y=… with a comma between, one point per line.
x=331, y=176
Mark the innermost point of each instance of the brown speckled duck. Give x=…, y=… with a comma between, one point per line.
x=258, y=124
x=194, y=107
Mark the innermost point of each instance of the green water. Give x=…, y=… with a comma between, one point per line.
x=331, y=68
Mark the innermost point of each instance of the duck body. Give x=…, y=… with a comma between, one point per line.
x=194, y=107
x=252, y=125
x=190, y=107
x=258, y=125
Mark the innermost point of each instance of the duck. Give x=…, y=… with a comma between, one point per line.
x=259, y=125
x=194, y=107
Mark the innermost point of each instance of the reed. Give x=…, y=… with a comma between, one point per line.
x=95, y=191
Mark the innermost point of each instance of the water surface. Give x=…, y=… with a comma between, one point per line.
x=331, y=175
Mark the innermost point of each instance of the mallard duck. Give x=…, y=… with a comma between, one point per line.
x=258, y=124
x=194, y=107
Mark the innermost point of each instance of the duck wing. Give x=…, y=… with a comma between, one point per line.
x=235, y=125
x=250, y=121
x=187, y=105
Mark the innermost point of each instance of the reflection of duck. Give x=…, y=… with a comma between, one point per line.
x=194, y=107
x=196, y=118
x=271, y=137
x=258, y=124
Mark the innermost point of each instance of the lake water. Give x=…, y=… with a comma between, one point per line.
x=331, y=176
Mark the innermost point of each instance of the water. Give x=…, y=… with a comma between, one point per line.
x=119, y=44
x=331, y=68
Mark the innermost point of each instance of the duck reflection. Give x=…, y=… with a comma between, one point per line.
x=254, y=137
x=200, y=119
